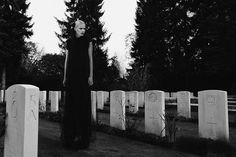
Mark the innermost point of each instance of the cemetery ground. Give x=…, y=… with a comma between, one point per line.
x=111, y=142
x=103, y=145
x=186, y=135
x=133, y=141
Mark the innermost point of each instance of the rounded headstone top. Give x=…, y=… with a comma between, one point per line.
x=212, y=91
x=26, y=86
x=117, y=91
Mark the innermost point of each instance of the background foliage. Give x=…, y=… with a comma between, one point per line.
x=187, y=44
x=177, y=45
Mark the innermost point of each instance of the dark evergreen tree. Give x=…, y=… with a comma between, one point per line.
x=149, y=47
x=215, y=37
x=15, y=27
x=90, y=12
x=183, y=40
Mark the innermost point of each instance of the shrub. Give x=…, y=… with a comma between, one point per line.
x=171, y=128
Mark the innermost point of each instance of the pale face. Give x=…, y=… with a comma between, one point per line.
x=80, y=29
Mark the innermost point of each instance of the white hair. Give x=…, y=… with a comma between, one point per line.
x=79, y=23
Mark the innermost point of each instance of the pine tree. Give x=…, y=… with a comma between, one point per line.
x=15, y=27
x=183, y=40
x=90, y=12
x=148, y=48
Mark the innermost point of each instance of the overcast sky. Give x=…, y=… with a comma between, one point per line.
x=118, y=18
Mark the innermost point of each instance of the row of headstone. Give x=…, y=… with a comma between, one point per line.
x=54, y=97
x=154, y=110
x=22, y=105
x=212, y=112
x=135, y=99
x=174, y=94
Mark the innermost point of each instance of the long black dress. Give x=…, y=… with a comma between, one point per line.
x=77, y=109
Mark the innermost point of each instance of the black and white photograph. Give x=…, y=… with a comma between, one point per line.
x=117, y=78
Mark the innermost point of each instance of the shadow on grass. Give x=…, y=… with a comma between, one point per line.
x=193, y=145
x=135, y=135
x=205, y=147
x=49, y=147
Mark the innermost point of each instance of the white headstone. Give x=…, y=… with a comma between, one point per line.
x=191, y=95
x=100, y=100
x=42, y=101
x=21, y=138
x=183, y=104
x=93, y=107
x=106, y=97
x=173, y=97
x=133, y=101
x=173, y=94
x=154, y=112
x=213, y=114
x=1, y=95
x=141, y=99
x=167, y=94
x=54, y=101
x=127, y=98
x=117, y=109
x=59, y=96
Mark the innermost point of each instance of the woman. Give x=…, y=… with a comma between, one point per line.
x=78, y=77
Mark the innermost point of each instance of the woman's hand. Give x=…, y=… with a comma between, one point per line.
x=90, y=81
x=64, y=82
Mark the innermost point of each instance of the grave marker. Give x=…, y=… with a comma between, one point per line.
x=1, y=96
x=21, y=138
x=173, y=94
x=183, y=104
x=106, y=97
x=42, y=101
x=141, y=99
x=100, y=100
x=117, y=109
x=54, y=101
x=93, y=107
x=133, y=101
x=167, y=94
x=213, y=114
x=154, y=112
x=127, y=101
x=191, y=95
